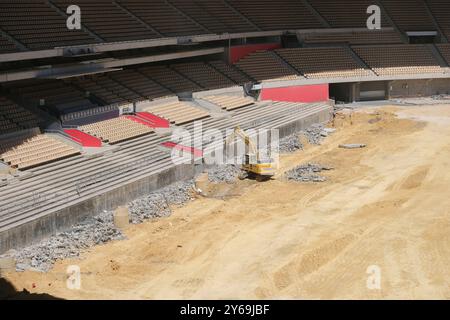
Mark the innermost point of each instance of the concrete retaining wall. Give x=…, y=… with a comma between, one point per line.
x=418, y=88
x=296, y=126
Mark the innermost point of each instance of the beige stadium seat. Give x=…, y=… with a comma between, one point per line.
x=230, y=71
x=14, y=117
x=394, y=60
x=330, y=62
x=163, y=17
x=116, y=130
x=37, y=150
x=263, y=66
x=345, y=13
x=441, y=12
x=38, y=26
x=229, y=102
x=203, y=74
x=178, y=112
x=169, y=78
x=266, y=14
x=217, y=16
x=108, y=20
x=444, y=49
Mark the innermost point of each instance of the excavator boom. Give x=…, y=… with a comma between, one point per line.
x=260, y=168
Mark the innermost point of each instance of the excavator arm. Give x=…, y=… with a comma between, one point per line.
x=245, y=137
x=262, y=169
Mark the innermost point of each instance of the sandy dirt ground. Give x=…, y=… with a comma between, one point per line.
x=387, y=205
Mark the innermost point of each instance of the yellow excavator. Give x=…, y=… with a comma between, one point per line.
x=254, y=165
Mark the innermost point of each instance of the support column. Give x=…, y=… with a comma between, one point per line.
x=354, y=92
x=388, y=87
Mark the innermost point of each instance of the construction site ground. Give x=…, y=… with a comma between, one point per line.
x=386, y=205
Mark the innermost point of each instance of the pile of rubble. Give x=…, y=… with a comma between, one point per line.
x=307, y=173
x=441, y=97
x=148, y=207
x=224, y=173
x=316, y=133
x=93, y=231
x=290, y=144
x=98, y=230
x=157, y=204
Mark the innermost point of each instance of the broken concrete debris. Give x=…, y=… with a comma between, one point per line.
x=352, y=146
x=307, y=173
x=224, y=173
x=290, y=143
x=314, y=135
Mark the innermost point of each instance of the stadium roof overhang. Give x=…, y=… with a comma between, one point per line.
x=98, y=48
x=60, y=76
x=100, y=65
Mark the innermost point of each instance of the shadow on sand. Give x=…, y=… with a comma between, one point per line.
x=8, y=292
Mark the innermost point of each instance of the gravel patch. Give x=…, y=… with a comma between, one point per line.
x=307, y=173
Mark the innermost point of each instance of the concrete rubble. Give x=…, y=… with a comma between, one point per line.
x=441, y=97
x=421, y=101
x=93, y=231
x=316, y=133
x=307, y=173
x=98, y=230
x=224, y=173
x=352, y=146
x=290, y=144
x=157, y=204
